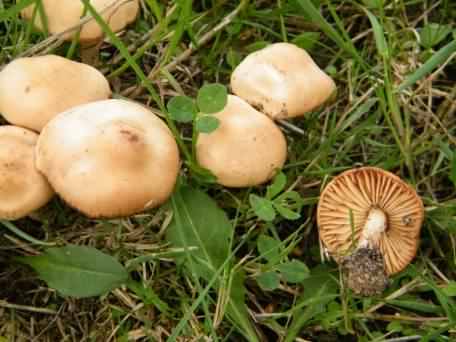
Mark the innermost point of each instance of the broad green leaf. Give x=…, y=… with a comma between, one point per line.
x=269, y=280
x=207, y=124
x=269, y=248
x=78, y=271
x=306, y=40
x=319, y=289
x=199, y=222
x=433, y=33
x=294, y=271
x=212, y=98
x=286, y=213
x=262, y=207
x=181, y=109
x=278, y=184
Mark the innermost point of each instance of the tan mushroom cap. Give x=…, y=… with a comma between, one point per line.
x=281, y=81
x=35, y=89
x=246, y=149
x=109, y=158
x=22, y=188
x=62, y=15
x=359, y=191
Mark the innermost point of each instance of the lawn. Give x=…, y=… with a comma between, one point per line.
x=218, y=263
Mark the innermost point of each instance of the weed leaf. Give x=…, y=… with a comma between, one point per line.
x=294, y=271
x=262, y=207
x=277, y=185
x=212, y=98
x=181, y=109
x=199, y=222
x=268, y=280
x=207, y=124
x=269, y=248
x=78, y=271
x=433, y=33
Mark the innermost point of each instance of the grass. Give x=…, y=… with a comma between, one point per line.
x=395, y=108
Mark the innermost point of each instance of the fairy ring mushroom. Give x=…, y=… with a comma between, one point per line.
x=369, y=220
x=246, y=149
x=35, y=89
x=109, y=158
x=23, y=189
x=281, y=81
x=62, y=15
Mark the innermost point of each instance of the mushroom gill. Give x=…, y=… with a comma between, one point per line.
x=369, y=208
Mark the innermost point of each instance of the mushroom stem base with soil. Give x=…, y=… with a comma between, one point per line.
x=364, y=269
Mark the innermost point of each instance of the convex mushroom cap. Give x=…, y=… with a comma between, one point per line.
x=22, y=188
x=246, y=149
x=35, y=89
x=62, y=15
x=385, y=213
x=109, y=158
x=282, y=81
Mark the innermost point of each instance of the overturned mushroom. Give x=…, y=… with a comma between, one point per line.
x=246, y=150
x=22, y=188
x=62, y=15
x=370, y=221
x=281, y=81
x=109, y=158
x=35, y=89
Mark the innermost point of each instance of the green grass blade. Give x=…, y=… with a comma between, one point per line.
x=380, y=41
x=309, y=8
x=437, y=59
x=15, y=10
x=22, y=235
x=138, y=71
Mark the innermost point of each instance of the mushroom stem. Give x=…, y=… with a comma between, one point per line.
x=376, y=224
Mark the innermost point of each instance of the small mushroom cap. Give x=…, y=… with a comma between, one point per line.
x=281, y=81
x=62, y=15
x=246, y=149
x=360, y=190
x=22, y=188
x=109, y=158
x=35, y=89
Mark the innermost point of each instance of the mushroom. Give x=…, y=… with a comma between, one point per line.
x=245, y=150
x=281, y=81
x=22, y=188
x=370, y=221
x=62, y=15
x=35, y=89
x=109, y=158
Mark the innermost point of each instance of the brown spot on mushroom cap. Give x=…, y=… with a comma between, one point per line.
x=35, y=89
x=282, y=81
x=22, y=188
x=358, y=191
x=109, y=158
x=62, y=15
x=246, y=149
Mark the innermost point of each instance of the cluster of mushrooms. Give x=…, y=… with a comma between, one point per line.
x=112, y=158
